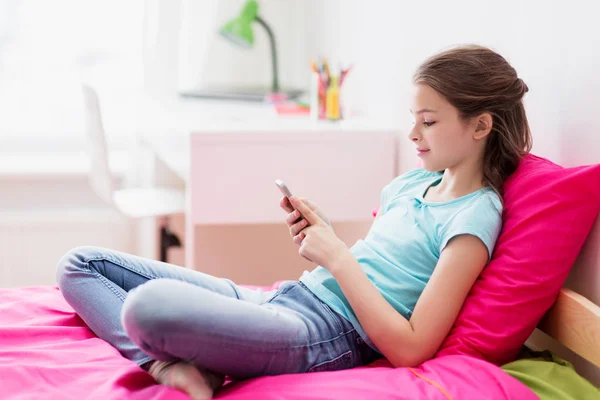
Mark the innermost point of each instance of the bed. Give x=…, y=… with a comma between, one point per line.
x=47, y=351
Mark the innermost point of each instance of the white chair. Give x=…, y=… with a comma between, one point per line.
x=132, y=202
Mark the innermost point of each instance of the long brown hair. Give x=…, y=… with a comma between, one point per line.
x=475, y=80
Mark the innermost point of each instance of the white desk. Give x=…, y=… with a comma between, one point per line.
x=228, y=166
x=173, y=148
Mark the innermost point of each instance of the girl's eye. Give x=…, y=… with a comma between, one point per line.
x=428, y=123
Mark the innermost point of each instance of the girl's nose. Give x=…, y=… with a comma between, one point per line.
x=413, y=135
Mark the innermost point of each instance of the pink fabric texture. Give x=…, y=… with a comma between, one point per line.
x=548, y=213
x=47, y=352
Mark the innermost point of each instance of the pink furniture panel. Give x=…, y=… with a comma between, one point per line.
x=232, y=174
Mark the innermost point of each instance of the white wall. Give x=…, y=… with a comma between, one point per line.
x=578, y=83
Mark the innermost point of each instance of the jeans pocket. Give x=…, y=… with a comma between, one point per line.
x=343, y=361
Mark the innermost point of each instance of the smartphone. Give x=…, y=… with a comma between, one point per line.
x=286, y=192
x=283, y=188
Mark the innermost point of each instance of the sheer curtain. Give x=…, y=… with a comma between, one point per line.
x=46, y=49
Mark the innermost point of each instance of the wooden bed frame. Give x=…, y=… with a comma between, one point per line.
x=573, y=320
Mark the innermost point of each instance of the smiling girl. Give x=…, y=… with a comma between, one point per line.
x=394, y=294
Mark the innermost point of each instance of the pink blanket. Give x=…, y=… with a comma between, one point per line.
x=47, y=352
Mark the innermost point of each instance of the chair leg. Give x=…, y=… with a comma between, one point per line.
x=167, y=239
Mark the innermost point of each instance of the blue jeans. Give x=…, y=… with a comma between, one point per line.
x=151, y=310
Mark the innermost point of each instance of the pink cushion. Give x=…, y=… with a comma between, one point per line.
x=548, y=213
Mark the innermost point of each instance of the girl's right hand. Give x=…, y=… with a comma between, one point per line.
x=296, y=222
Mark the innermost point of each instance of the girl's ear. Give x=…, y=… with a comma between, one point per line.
x=483, y=126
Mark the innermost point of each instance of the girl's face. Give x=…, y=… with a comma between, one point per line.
x=443, y=140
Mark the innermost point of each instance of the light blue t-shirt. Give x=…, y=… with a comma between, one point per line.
x=404, y=243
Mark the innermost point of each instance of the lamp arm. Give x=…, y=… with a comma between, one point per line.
x=275, y=85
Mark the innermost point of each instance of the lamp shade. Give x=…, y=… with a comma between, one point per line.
x=239, y=29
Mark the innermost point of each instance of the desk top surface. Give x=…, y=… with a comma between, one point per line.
x=172, y=120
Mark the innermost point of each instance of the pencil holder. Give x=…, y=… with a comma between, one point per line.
x=332, y=100
x=325, y=98
x=325, y=91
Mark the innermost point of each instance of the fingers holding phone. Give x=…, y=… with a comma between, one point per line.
x=296, y=225
x=285, y=201
x=295, y=221
x=286, y=205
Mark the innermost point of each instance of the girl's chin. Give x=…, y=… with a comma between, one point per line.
x=432, y=168
x=429, y=167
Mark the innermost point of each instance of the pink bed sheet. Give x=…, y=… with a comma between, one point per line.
x=47, y=352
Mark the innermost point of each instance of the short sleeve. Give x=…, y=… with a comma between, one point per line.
x=482, y=219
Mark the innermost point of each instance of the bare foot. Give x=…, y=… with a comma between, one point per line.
x=186, y=377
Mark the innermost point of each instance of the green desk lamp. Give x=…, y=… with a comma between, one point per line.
x=239, y=31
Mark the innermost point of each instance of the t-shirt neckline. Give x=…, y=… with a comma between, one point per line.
x=422, y=193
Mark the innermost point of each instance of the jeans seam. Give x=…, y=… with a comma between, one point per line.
x=107, y=283
x=122, y=265
x=332, y=339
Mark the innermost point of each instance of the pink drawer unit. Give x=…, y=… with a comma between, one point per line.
x=232, y=173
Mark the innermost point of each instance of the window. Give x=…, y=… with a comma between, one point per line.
x=46, y=49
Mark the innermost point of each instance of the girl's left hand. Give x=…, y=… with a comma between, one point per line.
x=319, y=243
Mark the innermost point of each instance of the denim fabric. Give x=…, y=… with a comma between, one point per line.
x=152, y=310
